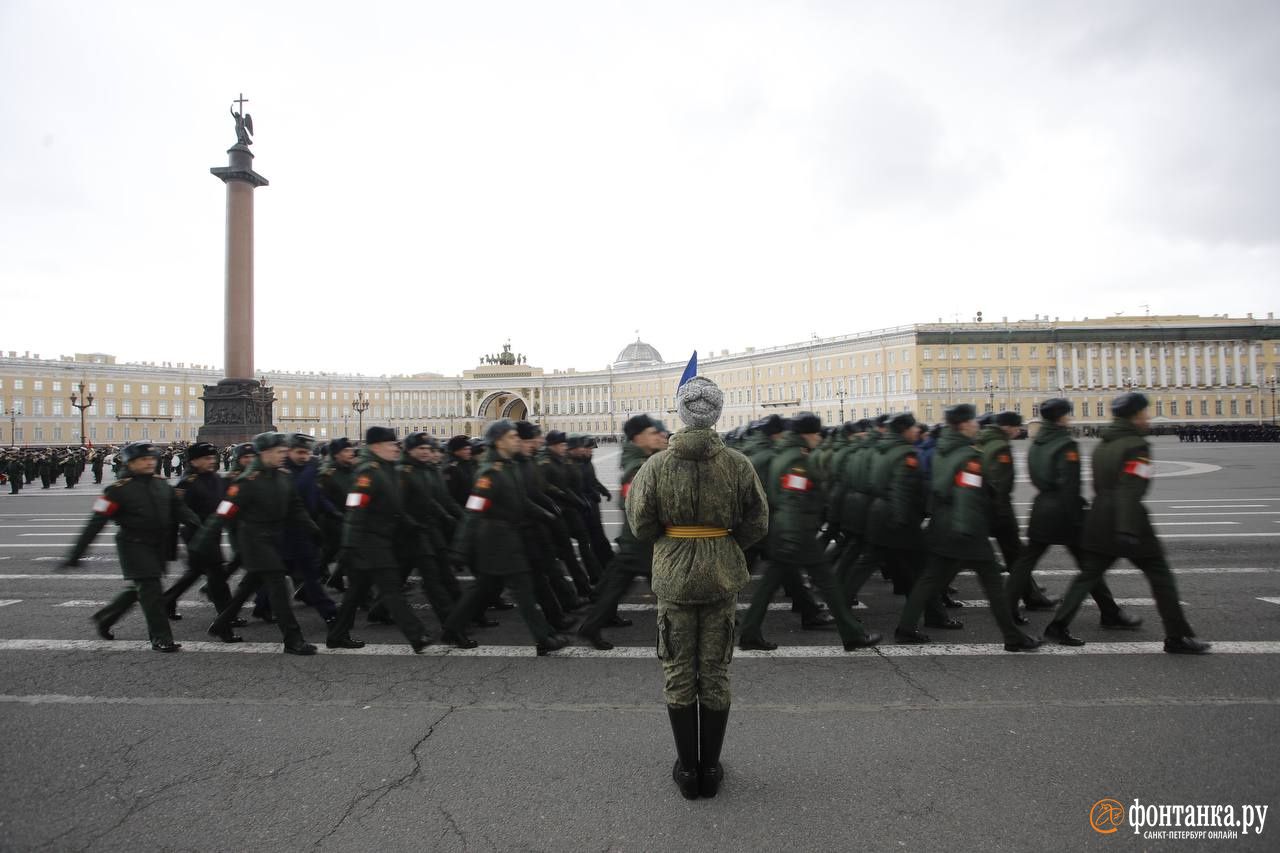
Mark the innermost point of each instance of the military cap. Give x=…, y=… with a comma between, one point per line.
x=590, y=441
x=881, y=420
x=477, y=445
x=848, y=428
x=246, y=449
x=661, y=427
x=1009, y=419
x=770, y=425
x=1055, y=407
x=379, y=434
x=556, y=437
x=986, y=419
x=301, y=439
x=527, y=430
x=267, y=440
x=419, y=439
x=201, y=449
x=806, y=423
x=576, y=439
x=138, y=449
x=902, y=421
x=635, y=425
x=1128, y=405
x=457, y=443
x=863, y=425
x=959, y=413
x=498, y=429
x=338, y=445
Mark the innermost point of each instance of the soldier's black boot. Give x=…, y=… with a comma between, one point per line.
x=684, y=725
x=711, y=728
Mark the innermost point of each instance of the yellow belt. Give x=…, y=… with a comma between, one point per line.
x=696, y=531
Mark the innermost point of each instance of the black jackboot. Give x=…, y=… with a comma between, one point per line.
x=711, y=738
x=684, y=725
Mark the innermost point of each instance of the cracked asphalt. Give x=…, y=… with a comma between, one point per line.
x=201, y=751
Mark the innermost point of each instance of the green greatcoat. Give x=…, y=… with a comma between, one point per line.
x=1121, y=476
x=147, y=511
x=698, y=481
x=857, y=490
x=958, y=529
x=898, y=495
x=1057, y=514
x=375, y=518
x=490, y=538
x=796, y=503
x=638, y=554
x=998, y=474
x=256, y=507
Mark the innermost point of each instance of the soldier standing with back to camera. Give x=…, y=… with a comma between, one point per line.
x=701, y=504
x=146, y=509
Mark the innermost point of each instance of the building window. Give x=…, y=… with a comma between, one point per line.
x=191, y=410
x=57, y=407
x=1235, y=407
x=1159, y=408
x=17, y=384
x=162, y=408
x=1248, y=406
x=1204, y=408
x=126, y=407
x=161, y=390
x=128, y=389
x=144, y=407
x=145, y=389
x=37, y=385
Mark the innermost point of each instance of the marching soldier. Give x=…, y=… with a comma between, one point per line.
x=460, y=471
x=554, y=484
x=371, y=529
x=491, y=540
x=592, y=491
x=1057, y=515
x=146, y=509
x=45, y=465
x=701, y=505
x=1118, y=526
x=957, y=535
x=257, y=506
x=335, y=483
x=634, y=558
x=795, y=515
x=15, y=472
x=564, y=484
x=202, y=490
x=98, y=457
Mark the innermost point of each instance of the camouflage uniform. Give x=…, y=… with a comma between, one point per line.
x=697, y=482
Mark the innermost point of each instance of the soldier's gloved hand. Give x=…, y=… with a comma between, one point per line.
x=608, y=496
x=1128, y=540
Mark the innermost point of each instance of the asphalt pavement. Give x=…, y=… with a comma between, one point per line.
x=956, y=745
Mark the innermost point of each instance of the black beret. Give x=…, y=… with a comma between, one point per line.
x=1055, y=407
x=301, y=439
x=526, y=429
x=246, y=449
x=457, y=443
x=418, y=439
x=806, y=423
x=1128, y=405
x=379, y=434
x=267, y=440
x=959, y=413
x=902, y=421
x=1009, y=419
x=556, y=437
x=770, y=425
x=635, y=425
x=201, y=449
x=138, y=449
x=498, y=429
x=338, y=445
x=881, y=420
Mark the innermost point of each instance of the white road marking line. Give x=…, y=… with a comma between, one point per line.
x=71, y=576
x=53, y=544
x=1270, y=600
x=71, y=536
x=1207, y=514
x=1194, y=523
x=1211, y=535
x=742, y=605
x=1198, y=501
x=5, y=602
x=1088, y=602
x=76, y=602
x=40, y=526
x=1259, y=647
x=1221, y=506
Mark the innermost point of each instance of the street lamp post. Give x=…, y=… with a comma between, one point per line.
x=12, y=415
x=361, y=405
x=841, y=394
x=88, y=401
x=991, y=394
x=1272, y=382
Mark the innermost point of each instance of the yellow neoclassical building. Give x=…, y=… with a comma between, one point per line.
x=1195, y=369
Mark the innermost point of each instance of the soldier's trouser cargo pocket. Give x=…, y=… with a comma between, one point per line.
x=695, y=645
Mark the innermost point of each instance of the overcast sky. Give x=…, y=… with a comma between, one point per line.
x=448, y=175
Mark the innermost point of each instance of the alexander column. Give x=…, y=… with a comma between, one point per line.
x=239, y=406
